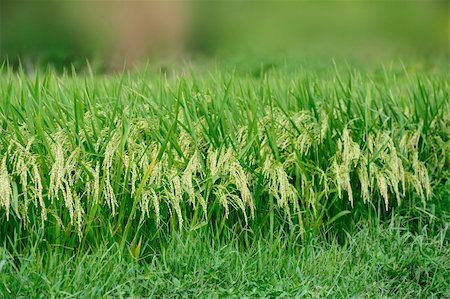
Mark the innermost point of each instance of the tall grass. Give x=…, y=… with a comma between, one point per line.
x=143, y=154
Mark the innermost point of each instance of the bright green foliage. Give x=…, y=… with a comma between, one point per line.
x=140, y=153
x=376, y=262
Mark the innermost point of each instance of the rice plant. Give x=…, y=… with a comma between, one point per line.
x=142, y=153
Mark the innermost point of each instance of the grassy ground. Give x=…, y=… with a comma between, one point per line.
x=265, y=181
x=374, y=262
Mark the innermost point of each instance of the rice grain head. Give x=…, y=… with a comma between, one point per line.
x=240, y=180
x=279, y=185
x=176, y=198
x=57, y=171
x=109, y=154
x=383, y=187
x=364, y=179
x=155, y=201
x=344, y=161
x=5, y=187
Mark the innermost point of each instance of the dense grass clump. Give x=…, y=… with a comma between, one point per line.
x=376, y=261
x=132, y=156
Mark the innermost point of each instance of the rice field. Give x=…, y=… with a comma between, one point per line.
x=287, y=155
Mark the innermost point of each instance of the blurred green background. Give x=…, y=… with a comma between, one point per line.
x=116, y=34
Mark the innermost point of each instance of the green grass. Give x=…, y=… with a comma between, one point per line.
x=375, y=262
x=229, y=174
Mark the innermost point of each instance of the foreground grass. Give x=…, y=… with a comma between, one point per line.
x=378, y=261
